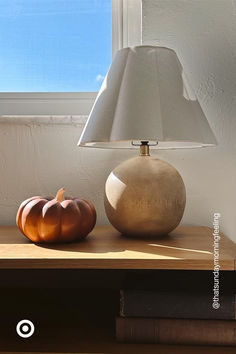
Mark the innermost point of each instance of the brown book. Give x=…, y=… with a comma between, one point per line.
x=176, y=331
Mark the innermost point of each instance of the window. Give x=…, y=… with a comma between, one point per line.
x=54, y=45
x=55, y=53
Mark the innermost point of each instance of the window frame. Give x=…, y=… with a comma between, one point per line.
x=126, y=31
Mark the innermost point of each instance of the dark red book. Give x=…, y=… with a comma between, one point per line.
x=176, y=331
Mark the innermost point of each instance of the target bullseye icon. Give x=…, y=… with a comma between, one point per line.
x=25, y=328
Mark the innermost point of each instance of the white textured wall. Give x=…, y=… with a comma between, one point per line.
x=38, y=157
x=203, y=33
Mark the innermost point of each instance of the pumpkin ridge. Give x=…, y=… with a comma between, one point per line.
x=85, y=208
x=20, y=212
x=93, y=210
x=70, y=219
x=28, y=217
x=60, y=221
x=40, y=217
x=42, y=222
x=78, y=209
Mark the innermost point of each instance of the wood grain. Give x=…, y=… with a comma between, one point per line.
x=187, y=247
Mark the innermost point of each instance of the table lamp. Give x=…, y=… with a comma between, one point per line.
x=146, y=101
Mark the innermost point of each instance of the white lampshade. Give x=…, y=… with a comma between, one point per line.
x=146, y=96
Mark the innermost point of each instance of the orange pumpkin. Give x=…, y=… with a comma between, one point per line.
x=56, y=220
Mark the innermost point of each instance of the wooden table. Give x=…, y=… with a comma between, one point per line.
x=187, y=247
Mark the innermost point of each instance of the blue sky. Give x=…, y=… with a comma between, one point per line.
x=54, y=45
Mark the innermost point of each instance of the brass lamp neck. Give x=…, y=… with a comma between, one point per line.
x=144, y=148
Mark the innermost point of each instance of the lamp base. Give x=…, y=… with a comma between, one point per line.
x=144, y=196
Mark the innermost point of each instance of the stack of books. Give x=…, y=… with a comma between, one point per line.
x=176, y=307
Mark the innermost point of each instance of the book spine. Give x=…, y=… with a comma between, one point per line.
x=142, y=303
x=176, y=331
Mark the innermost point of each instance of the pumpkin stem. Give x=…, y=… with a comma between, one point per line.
x=60, y=195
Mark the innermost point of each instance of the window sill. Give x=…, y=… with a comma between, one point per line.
x=44, y=119
x=44, y=103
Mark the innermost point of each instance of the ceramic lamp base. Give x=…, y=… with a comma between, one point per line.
x=144, y=196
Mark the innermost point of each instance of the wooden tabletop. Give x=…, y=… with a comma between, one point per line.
x=187, y=247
